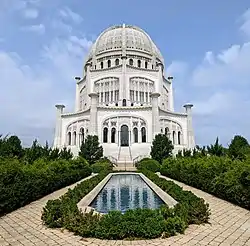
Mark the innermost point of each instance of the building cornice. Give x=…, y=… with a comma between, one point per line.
x=171, y=113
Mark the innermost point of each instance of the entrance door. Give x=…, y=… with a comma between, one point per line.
x=124, y=136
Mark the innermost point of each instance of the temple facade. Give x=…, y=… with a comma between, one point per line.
x=125, y=98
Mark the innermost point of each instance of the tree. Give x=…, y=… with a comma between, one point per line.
x=91, y=149
x=161, y=148
x=65, y=154
x=238, y=148
x=215, y=149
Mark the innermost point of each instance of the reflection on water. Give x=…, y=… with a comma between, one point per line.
x=123, y=192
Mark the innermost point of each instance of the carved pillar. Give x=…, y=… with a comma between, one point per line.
x=93, y=113
x=58, y=130
x=155, y=114
x=190, y=132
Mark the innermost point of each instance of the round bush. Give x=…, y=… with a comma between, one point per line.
x=100, y=166
x=149, y=164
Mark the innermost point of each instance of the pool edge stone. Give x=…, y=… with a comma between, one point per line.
x=84, y=204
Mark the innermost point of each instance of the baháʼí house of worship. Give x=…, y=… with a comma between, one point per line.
x=125, y=98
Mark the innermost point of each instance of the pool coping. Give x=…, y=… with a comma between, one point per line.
x=84, y=204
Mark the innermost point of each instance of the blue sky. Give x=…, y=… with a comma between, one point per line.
x=205, y=44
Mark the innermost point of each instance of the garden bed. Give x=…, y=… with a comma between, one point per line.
x=133, y=224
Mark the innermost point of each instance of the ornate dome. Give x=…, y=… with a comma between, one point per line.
x=124, y=37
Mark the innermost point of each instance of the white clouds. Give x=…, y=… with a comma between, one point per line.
x=68, y=15
x=219, y=88
x=229, y=66
x=39, y=29
x=245, y=27
x=30, y=13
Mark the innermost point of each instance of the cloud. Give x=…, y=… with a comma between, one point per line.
x=68, y=15
x=39, y=29
x=30, y=13
x=245, y=27
x=219, y=88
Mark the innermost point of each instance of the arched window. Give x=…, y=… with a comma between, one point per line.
x=173, y=137
x=179, y=137
x=146, y=64
x=166, y=131
x=113, y=131
x=117, y=62
x=109, y=63
x=81, y=136
x=143, y=135
x=74, y=138
x=105, y=135
x=124, y=103
x=139, y=63
x=131, y=62
x=101, y=65
x=69, y=138
x=135, y=132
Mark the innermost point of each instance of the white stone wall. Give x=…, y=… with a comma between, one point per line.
x=109, y=69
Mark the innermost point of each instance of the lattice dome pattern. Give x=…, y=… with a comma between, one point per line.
x=124, y=37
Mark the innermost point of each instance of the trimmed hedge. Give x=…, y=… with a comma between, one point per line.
x=149, y=164
x=22, y=183
x=133, y=224
x=221, y=176
x=102, y=165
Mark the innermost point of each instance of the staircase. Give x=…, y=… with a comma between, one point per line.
x=125, y=161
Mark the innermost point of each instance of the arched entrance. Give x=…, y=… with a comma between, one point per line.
x=124, y=135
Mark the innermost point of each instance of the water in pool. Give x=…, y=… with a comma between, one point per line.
x=126, y=191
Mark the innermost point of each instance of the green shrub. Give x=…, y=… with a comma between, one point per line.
x=102, y=165
x=22, y=183
x=149, y=164
x=221, y=176
x=133, y=224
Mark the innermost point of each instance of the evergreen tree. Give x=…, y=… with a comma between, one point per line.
x=215, y=149
x=91, y=149
x=161, y=148
x=239, y=148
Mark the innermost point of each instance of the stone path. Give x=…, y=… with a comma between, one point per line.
x=229, y=225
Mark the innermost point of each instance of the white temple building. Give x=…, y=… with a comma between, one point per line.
x=125, y=98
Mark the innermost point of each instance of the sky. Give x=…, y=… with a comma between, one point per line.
x=205, y=44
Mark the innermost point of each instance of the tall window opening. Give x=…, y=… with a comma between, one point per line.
x=117, y=62
x=81, y=137
x=146, y=64
x=113, y=132
x=109, y=63
x=74, y=138
x=101, y=65
x=124, y=103
x=179, y=137
x=173, y=137
x=131, y=62
x=139, y=63
x=135, y=132
x=166, y=131
x=105, y=135
x=69, y=138
x=143, y=135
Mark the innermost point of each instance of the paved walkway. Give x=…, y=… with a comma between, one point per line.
x=229, y=225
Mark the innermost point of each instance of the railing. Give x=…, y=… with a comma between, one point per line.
x=138, y=158
x=112, y=159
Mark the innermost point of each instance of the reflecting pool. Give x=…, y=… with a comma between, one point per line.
x=126, y=191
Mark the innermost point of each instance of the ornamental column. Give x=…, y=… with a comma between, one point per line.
x=190, y=132
x=155, y=114
x=58, y=130
x=93, y=113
